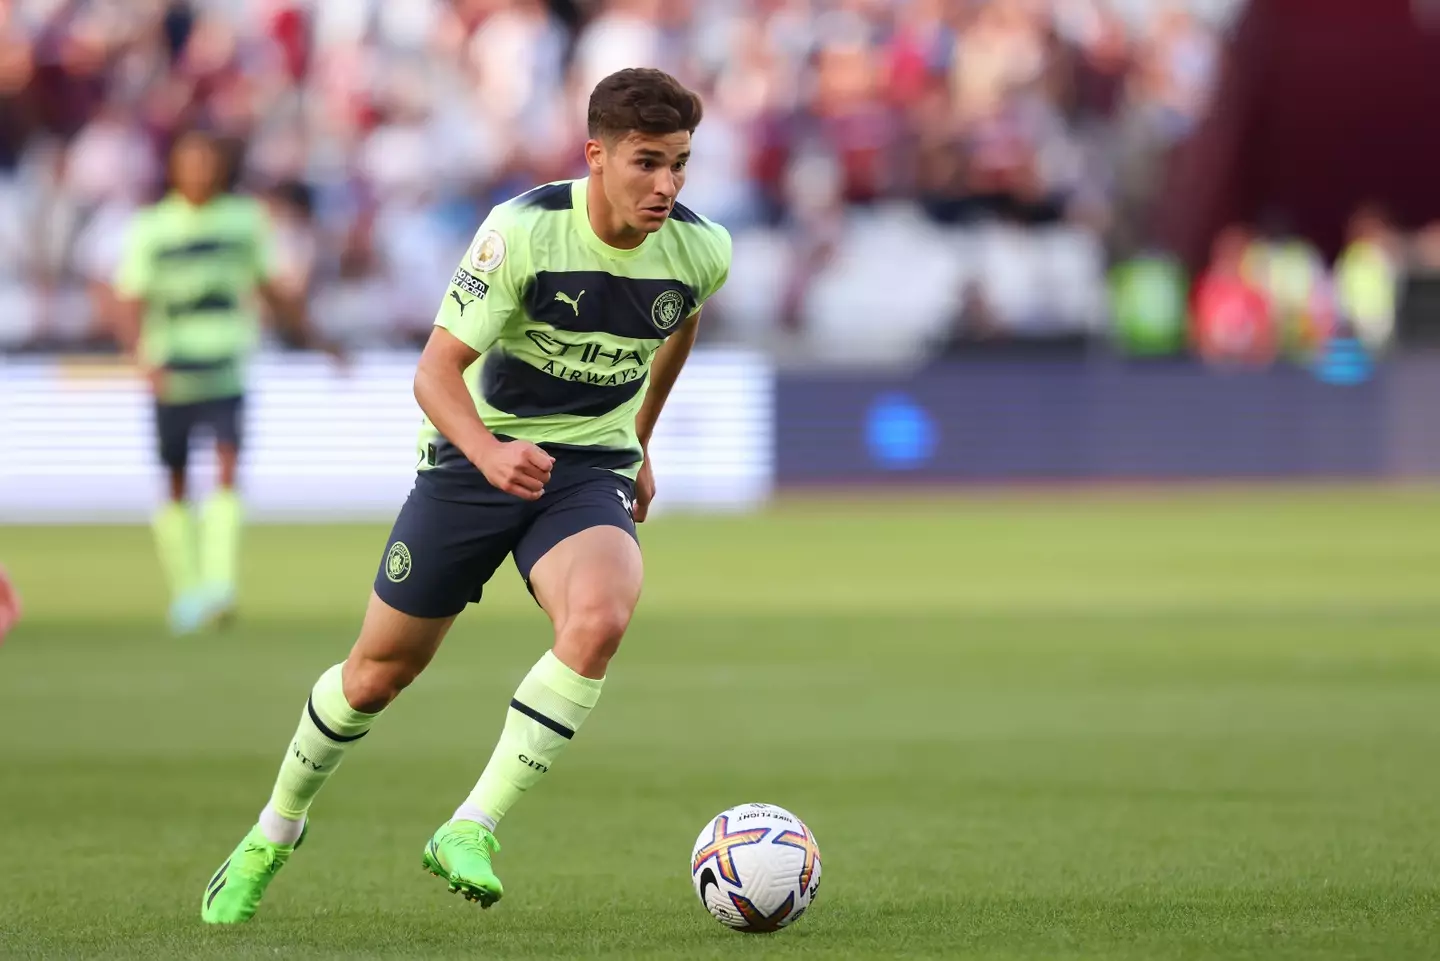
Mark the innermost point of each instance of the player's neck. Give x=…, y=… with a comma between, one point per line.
x=195, y=199
x=607, y=225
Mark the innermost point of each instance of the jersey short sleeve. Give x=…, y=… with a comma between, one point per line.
x=717, y=264
x=135, y=274
x=486, y=289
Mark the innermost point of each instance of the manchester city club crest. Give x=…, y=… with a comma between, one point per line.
x=666, y=311
x=397, y=562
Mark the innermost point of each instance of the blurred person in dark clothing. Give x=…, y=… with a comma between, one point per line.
x=938, y=158
x=1101, y=66
x=17, y=113
x=852, y=117
x=972, y=324
x=69, y=81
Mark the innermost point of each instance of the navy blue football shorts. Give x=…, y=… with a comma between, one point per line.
x=456, y=529
x=176, y=424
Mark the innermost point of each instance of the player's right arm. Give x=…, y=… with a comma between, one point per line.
x=483, y=297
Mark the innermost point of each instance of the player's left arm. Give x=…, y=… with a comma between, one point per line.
x=671, y=358
x=664, y=372
x=669, y=361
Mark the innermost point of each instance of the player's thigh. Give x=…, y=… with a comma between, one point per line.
x=442, y=551
x=174, y=423
x=582, y=560
x=390, y=635
x=225, y=418
x=391, y=651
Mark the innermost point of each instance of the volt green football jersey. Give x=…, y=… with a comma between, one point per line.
x=196, y=269
x=567, y=325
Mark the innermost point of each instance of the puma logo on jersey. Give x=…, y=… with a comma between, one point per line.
x=564, y=298
x=455, y=296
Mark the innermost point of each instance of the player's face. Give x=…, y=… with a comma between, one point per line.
x=643, y=174
x=196, y=168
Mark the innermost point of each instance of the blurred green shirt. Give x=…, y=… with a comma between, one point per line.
x=1368, y=284
x=196, y=269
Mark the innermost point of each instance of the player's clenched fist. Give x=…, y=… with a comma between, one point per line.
x=644, y=491
x=517, y=467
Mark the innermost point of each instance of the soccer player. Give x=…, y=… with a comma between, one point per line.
x=191, y=267
x=570, y=318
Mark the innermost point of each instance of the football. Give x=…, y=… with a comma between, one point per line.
x=756, y=868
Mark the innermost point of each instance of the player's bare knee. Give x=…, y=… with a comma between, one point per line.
x=591, y=634
x=370, y=685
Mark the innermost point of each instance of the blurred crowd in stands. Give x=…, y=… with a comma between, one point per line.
x=381, y=132
x=1268, y=294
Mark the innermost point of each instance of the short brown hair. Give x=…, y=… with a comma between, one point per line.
x=642, y=100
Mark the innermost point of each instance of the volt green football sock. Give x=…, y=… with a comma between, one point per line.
x=220, y=520
x=548, y=708
x=175, y=540
x=328, y=727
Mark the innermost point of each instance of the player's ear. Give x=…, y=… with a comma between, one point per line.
x=595, y=151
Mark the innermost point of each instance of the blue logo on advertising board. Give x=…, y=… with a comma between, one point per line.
x=899, y=433
x=1344, y=361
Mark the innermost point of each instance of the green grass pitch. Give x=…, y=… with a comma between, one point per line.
x=1131, y=727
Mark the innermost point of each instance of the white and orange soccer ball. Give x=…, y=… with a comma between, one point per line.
x=756, y=867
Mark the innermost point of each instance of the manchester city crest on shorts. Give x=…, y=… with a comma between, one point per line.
x=665, y=312
x=397, y=562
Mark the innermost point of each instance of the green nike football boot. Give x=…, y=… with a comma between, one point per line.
x=460, y=853
x=234, y=893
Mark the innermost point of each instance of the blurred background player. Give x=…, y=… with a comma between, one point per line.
x=191, y=267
